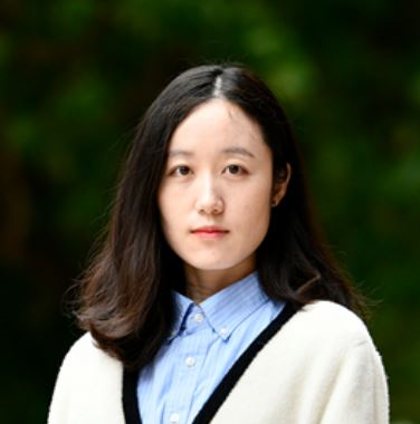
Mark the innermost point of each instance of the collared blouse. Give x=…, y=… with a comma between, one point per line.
x=205, y=342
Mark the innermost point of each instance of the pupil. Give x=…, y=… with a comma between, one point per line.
x=234, y=169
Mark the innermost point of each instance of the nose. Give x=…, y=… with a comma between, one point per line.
x=209, y=198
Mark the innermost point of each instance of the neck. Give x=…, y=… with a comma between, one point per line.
x=202, y=284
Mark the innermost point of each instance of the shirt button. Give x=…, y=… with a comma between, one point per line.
x=174, y=418
x=190, y=361
x=198, y=318
x=223, y=331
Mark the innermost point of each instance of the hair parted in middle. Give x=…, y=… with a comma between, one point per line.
x=125, y=295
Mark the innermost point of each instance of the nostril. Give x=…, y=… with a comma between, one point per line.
x=211, y=205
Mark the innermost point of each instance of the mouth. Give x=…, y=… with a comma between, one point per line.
x=210, y=232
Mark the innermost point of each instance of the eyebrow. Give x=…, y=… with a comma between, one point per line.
x=179, y=152
x=238, y=151
x=227, y=151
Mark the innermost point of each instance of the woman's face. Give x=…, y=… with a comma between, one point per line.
x=217, y=190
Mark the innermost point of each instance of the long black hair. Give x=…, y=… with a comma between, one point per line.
x=125, y=294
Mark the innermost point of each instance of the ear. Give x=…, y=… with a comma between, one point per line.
x=280, y=185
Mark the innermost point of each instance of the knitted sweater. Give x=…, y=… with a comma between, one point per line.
x=320, y=367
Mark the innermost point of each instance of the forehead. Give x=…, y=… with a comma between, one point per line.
x=215, y=124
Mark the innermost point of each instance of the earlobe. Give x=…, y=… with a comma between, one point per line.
x=280, y=186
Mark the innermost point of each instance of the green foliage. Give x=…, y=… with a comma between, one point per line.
x=75, y=76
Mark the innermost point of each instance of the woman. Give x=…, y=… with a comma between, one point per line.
x=213, y=298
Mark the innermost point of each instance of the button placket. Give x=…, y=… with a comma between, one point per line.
x=191, y=357
x=190, y=361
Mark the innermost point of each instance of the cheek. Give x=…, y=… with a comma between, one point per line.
x=172, y=213
x=164, y=211
x=253, y=212
x=257, y=201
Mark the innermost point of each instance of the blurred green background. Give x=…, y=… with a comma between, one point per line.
x=76, y=75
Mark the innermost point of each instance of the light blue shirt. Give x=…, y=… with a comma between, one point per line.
x=205, y=342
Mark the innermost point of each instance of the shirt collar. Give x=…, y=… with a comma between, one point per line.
x=182, y=306
x=226, y=309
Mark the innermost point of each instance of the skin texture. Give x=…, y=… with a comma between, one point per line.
x=218, y=174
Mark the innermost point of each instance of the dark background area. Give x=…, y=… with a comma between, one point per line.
x=76, y=75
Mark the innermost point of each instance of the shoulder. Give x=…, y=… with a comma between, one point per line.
x=84, y=346
x=88, y=378
x=325, y=329
x=327, y=320
x=85, y=352
x=86, y=363
x=324, y=309
x=322, y=340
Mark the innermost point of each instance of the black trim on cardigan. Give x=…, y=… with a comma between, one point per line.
x=216, y=399
x=129, y=397
x=219, y=395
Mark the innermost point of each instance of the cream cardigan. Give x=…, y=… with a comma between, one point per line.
x=321, y=367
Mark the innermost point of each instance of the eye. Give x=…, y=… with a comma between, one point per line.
x=181, y=170
x=235, y=169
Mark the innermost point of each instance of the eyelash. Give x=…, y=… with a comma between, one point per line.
x=175, y=171
x=240, y=168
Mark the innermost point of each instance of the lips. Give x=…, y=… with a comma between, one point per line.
x=210, y=231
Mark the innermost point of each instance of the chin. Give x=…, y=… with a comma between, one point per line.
x=214, y=265
x=211, y=266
